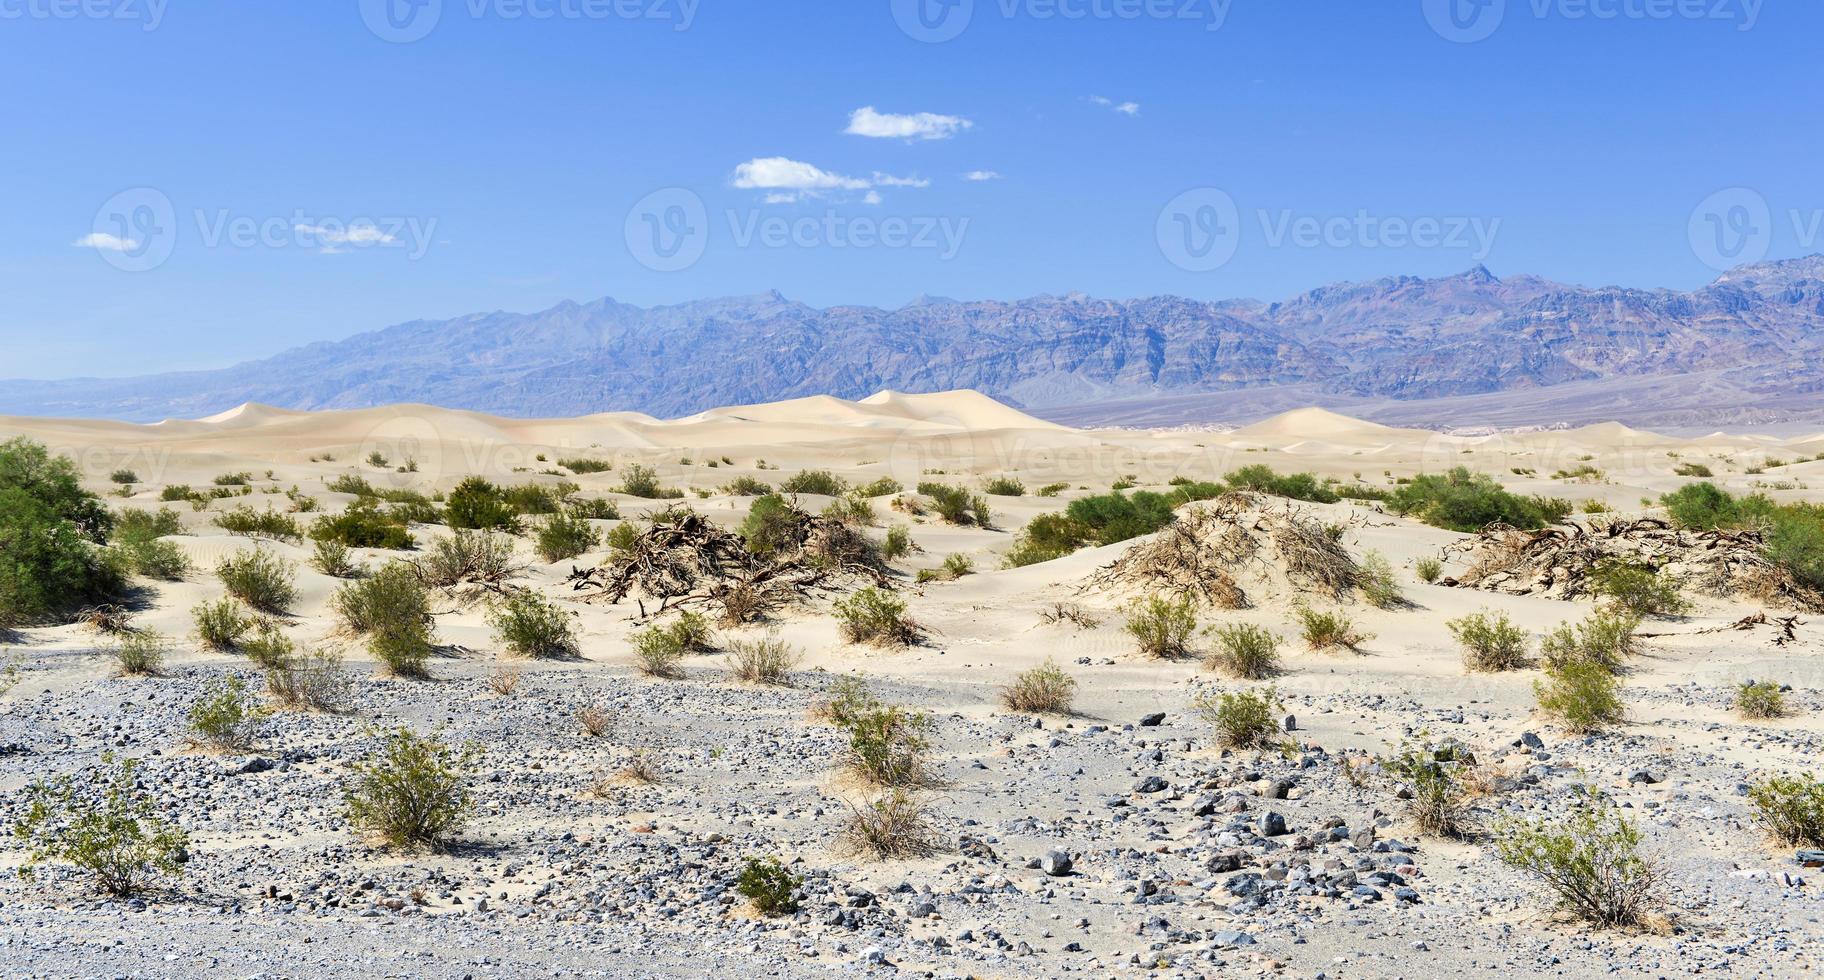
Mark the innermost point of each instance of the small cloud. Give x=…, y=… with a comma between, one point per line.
x=779, y=173
x=979, y=175
x=873, y=197
x=888, y=180
x=106, y=242
x=1125, y=108
x=332, y=236
x=781, y=198
x=917, y=126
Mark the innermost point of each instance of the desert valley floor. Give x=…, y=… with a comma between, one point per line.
x=1117, y=839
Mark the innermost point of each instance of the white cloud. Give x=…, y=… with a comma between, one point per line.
x=779, y=173
x=917, y=126
x=873, y=197
x=1126, y=108
x=979, y=175
x=776, y=198
x=105, y=242
x=888, y=180
x=332, y=235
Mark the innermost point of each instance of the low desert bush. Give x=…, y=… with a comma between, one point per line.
x=220, y=625
x=1045, y=689
x=332, y=558
x=1606, y=637
x=643, y=481
x=1582, y=696
x=1463, y=501
x=413, y=792
x=1638, y=588
x=772, y=889
x=267, y=646
x=1439, y=802
x=957, y=505
x=1245, y=651
x=896, y=824
x=1004, y=486
x=468, y=556
x=847, y=699
x=897, y=544
x=248, y=522
x=580, y=465
x=1759, y=700
x=874, y=615
x=746, y=486
x=140, y=653
x=51, y=535
x=742, y=603
x=821, y=483
x=888, y=746
x=315, y=681
x=391, y=608
x=643, y=768
x=476, y=504
x=595, y=720
x=529, y=625
x=564, y=536
x=363, y=524
x=1242, y=719
x=225, y=718
x=1328, y=630
x=107, y=828
x=259, y=578
x=1162, y=627
x=1790, y=809
x=1429, y=570
x=504, y=680
x=1590, y=859
x=1377, y=583
x=767, y=660
x=657, y=652
x=692, y=631
x=854, y=509
x=1490, y=642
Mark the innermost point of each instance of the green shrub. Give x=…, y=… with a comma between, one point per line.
x=1637, y=588
x=847, y=699
x=771, y=888
x=1052, y=489
x=109, y=829
x=259, y=578
x=225, y=718
x=1759, y=700
x=1590, y=859
x=658, y=652
x=468, y=556
x=1377, y=584
x=1490, y=642
x=1693, y=469
x=1581, y=695
x=1163, y=627
x=478, y=504
x=1246, y=651
x=123, y=476
x=1429, y=570
x=886, y=486
x=247, y=522
x=897, y=544
x=621, y=537
x=888, y=746
x=1045, y=689
x=1107, y=519
x=313, y=682
x=1298, y=486
x=957, y=505
x=413, y=793
x=746, y=486
x=1243, y=719
x=768, y=660
x=820, y=483
x=955, y=566
x=156, y=559
x=1328, y=630
x=1463, y=501
x=1703, y=507
x=1439, y=803
x=234, y=479
x=1790, y=809
x=772, y=525
x=1046, y=537
x=643, y=481
x=876, y=616
x=332, y=558
x=137, y=526
x=220, y=624
x=140, y=653
x=529, y=625
x=1004, y=486
x=691, y=630
x=267, y=646
x=564, y=536
x=363, y=525
x=391, y=608
x=1606, y=637
x=51, y=532
x=852, y=508
x=581, y=466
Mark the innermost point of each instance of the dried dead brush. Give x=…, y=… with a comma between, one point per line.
x=107, y=619
x=1068, y=613
x=643, y=768
x=896, y=824
x=1312, y=555
x=504, y=680
x=596, y=721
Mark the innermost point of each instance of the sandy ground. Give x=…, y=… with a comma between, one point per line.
x=558, y=882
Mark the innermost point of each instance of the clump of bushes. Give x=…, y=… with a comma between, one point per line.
x=956, y=505
x=1792, y=534
x=1261, y=478
x=896, y=824
x=772, y=889
x=1490, y=641
x=392, y=609
x=51, y=537
x=1759, y=700
x=1581, y=695
x=1328, y=630
x=888, y=746
x=1590, y=859
x=767, y=660
x=529, y=625
x=225, y=718
x=581, y=465
x=1605, y=637
x=220, y=624
x=1245, y=651
x=1376, y=582
x=333, y=559
x=1439, y=803
x=140, y=653
x=1242, y=719
x=251, y=523
x=259, y=578
x=311, y=682
x=564, y=536
x=107, y=828
x=643, y=481
x=820, y=483
x=413, y=792
x=476, y=503
x=1004, y=486
x=771, y=525
x=1429, y=569
x=137, y=540
x=746, y=486
x=1162, y=627
x=658, y=652
x=1790, y=809
x=1637, y=588
x=468, y=556
x=874, y=615
x=362, y=524
x=1043, y=690
x=1463, y=501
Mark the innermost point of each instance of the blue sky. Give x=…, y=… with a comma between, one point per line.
x=192, y=185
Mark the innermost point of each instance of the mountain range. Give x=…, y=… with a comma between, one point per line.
x=1748, y=347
